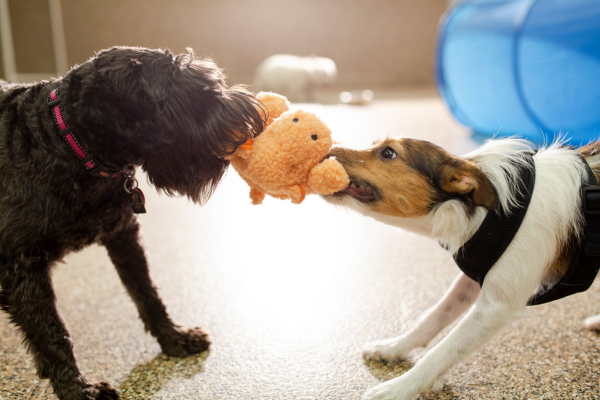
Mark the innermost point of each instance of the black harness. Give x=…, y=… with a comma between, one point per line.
x=477, y=256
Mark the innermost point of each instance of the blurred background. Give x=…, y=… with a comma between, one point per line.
x=508, y=67
x=376, y=43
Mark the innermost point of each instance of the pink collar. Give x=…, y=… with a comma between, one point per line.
x=88, y=161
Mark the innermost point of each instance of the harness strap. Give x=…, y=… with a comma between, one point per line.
x=477, y=256
x=89, y=163
x=585, y=261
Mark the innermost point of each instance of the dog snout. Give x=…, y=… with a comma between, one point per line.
x=336, y=152
x=343, y=155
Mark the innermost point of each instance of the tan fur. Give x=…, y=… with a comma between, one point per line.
x=463, y=177
x=415, y=195
x=559, y=267
x=406, y=185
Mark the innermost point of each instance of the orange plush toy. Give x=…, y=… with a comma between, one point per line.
x=286, y=160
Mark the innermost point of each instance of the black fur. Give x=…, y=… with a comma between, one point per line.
x=172, y=115
x=429, y=164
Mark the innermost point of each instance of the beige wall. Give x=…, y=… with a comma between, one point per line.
x=1, y=63
x=32, y=35
x=373, y=42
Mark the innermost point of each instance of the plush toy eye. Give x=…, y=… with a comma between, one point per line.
x=295, y=120
x=388, y=153
x=314, y=137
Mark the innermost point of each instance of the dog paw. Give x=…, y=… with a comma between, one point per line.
x=438, y=384
x=100, y=391
x=593, y=323
x=185, y=341
x=394, y=389
x=389, y=350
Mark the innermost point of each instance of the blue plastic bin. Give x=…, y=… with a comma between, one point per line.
x=528, y=67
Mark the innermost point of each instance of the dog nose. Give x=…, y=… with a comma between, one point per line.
x=336, y=152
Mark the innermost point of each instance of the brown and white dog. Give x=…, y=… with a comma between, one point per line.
x=420, y=187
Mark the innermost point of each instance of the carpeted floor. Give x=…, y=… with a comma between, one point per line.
x=291, y=293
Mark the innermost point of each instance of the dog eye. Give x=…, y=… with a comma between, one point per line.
x=388, y=153
x=314, y=137
x=295, y=120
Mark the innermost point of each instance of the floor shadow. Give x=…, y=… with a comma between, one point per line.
x=445, y=394
x=593, y=332
x=145, y=380
x=386, y=371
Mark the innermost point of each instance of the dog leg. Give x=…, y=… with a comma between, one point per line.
x=28, y=297
x=482, y=322
x=460, y=296
x=127, y=254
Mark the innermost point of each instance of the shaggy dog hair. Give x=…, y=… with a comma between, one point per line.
x=172, y=115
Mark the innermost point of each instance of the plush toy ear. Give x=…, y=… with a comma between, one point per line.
x=275, y=105
x=118, y=101
x=466, y=179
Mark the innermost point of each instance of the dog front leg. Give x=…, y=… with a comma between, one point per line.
x=480, y=324
x=127, y=254
x=460, y=296
x=28, y=297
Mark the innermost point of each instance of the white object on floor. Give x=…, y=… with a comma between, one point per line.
x=357, y=97
x=293, y=76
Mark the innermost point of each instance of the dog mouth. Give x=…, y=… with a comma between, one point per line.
x=359, y=189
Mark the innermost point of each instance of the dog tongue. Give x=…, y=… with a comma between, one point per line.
x=357, y=192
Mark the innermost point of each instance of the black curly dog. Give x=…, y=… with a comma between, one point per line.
x=172, y=115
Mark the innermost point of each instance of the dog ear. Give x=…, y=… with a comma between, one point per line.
x=466, y=179
x=118, y=101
